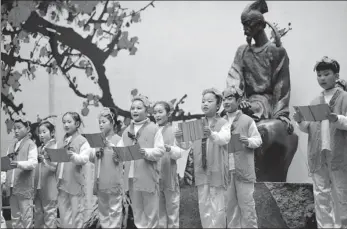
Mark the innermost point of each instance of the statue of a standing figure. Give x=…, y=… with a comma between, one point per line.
x=261, y=70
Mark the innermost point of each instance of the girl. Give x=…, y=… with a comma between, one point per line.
x=169, y=186
x=20, y=180
x=108, y=177
x=71, y=178
x=211, y=162
x=143, y=174
x=45, y=180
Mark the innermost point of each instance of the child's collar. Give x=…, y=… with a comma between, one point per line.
x=140, y=122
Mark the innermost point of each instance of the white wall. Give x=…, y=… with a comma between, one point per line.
x=187, y=46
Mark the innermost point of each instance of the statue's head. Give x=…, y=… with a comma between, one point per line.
x=253, y=20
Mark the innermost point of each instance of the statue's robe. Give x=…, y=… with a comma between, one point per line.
x=263, y=74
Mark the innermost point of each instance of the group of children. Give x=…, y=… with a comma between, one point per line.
x=225, y=180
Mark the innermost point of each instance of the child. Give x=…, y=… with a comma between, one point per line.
x=3, y=180
x=143, y=174
x=169, y=201
x=109, y=185
x=20, y=180
x=45, y=181
x=211, y=162
x=239, y=196
x=327, y=148
x=71, y=178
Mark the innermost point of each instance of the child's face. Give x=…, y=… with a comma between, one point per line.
x=20, y=131
x=230, y=104
x=70, y=126
x=327, y=79
x=138, y=111
x=209, y=104
x=160, y=114
x=44, y=134
x=105, y=125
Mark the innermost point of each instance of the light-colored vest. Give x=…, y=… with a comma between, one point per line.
x=48, y=183
x=23, y=183
x=338, y=142
x=168, y=166
x=111, y=173
x=73, y=179
x=244, y=159
x=216, y=173
x=146, y=172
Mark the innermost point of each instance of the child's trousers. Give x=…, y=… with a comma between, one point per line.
x=21, y=211
x=110, y=209
x=45, y=212
x=3, y=221
x=324, y=182
x=145, y=207
x=241, y=211
x=169, y=204
x=71, y=210
x=212, y=206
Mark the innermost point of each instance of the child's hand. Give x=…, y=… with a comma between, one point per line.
x=207, y=131
x=40, y=158
x=244, y=140
x=70, y=153
x=14, y=164
x=297, y=117
x=143, y=151
x=332, y=117
x=99, y=153
x=167, y=148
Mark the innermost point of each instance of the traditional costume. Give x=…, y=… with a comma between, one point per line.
x=72, y=181
x=20, y=181
x=46, y=191
x=211, y=171
x=241, y=211
x=327, y=160
x=169, y=201
x=143, y=174
x=109, y=185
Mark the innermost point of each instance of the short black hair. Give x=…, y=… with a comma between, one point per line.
x=334, y=66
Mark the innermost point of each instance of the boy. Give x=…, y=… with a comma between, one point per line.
x=143, y=174
x=210, y=162
x=327, y=148
x=240, y=203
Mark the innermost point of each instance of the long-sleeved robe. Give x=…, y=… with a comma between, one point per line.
x=263, y=74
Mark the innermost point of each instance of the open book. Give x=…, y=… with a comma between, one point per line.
x=313, y=113
x=96, y=140
x=235, y=144
x=128, y=153
x=5, y=163
x=193, y=130
x=58, y=155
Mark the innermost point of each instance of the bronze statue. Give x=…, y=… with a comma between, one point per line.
x=261, y=70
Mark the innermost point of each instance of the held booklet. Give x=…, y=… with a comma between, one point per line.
x=193, y=130
x=96, y=140
x=6, y=163
x=313, y=113
x=58, y=155
x=128, y=153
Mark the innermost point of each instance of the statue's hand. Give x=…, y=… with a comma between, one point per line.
x=244, y=104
